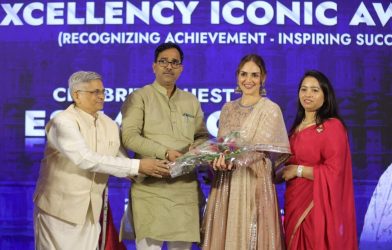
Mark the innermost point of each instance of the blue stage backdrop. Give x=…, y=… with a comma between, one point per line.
x=43, y=42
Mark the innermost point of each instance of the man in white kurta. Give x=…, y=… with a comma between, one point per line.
x=82, y=150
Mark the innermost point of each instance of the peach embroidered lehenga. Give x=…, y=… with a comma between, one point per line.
x=242, y=210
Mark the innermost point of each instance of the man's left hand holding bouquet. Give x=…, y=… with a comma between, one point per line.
x=172, y=154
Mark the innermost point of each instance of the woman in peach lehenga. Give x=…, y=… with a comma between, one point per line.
x=242, y=210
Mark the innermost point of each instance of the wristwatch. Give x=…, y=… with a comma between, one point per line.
x=300, y=169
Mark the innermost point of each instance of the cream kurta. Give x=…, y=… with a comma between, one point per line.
x=79, y=156
x=163, y=209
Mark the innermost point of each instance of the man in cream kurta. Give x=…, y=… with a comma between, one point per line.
x=161, y=121
x=81, y=152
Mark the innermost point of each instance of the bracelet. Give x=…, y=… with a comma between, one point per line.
x=167, y=155
x=300, y=168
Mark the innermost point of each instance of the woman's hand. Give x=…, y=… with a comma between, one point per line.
x=220, y=164
x=289, y=172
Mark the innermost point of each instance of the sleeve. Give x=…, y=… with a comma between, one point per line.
x=201, y=133
x=279, y=139
x=279, y=127
x=132, y=126
x=222, y=119
x=65, y=136
x=265, y=131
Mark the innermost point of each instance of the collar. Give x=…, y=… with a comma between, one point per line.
x=162, y=89
x=88, y=117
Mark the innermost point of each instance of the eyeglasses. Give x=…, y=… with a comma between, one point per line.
x=164, y=63
x=96, y=92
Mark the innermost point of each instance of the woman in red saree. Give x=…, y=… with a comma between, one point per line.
x=242, y=208
x=319, y=199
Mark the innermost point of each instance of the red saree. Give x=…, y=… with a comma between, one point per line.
x=108, y=239
x=320, y=214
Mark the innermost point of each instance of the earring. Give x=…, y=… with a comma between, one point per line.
x=238, y=89
x=263, y=91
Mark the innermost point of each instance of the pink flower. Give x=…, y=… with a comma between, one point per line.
x=231, y=145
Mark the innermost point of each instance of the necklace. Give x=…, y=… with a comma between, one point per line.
x=305, y=124
x=250, y=106
x=247, y=106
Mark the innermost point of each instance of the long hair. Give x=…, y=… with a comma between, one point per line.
x=329, y=109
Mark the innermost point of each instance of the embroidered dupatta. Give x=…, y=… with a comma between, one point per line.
x=242, y=210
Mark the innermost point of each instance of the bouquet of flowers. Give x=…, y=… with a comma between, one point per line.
x=231, y=146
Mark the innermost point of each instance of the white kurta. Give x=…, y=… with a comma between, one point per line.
x=80, y=154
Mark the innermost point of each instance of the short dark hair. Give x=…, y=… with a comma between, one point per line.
x=170, y=45
x=329, y=109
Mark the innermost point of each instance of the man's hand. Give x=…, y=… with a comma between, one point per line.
x=191, y=147
x=172, y=154
x=154, y=168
